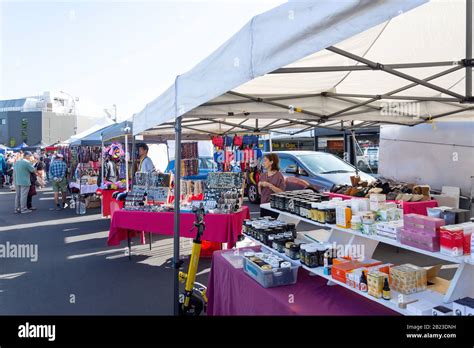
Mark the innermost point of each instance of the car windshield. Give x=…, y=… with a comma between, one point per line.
x=321, y=163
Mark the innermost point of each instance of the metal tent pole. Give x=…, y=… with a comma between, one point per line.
x=353, y=148
x=126, y=162
x=102, y=174
x=468, y=48
x=133, y=158
x=177, y=195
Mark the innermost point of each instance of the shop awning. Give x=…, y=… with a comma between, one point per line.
x=91, y=139
x=326, y=64
x=117, y=130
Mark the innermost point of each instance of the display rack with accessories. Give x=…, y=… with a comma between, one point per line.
x=158, y=187
x=226, y=190
x=189, y=159
x=136, y=197
x=192, y=190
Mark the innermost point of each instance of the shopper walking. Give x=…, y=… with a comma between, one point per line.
x=22, y=171
x=33, y=181
x=40, y=176
x=57, y=172
x=47, y=163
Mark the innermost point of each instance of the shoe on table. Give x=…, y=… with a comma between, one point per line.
x=26, y=211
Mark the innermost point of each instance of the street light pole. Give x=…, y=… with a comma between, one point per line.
x=115, y=112
x=74, y=99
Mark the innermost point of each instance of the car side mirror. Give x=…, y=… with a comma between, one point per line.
x=291, y=170
x=302, y=172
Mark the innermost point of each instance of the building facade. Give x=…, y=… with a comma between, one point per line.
x=45, y=120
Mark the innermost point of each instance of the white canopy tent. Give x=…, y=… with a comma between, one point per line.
x=404, y=69
x=323, y=63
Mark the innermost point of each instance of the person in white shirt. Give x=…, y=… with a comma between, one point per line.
x=145, y=164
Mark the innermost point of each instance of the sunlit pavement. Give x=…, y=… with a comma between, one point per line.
x=75, y=271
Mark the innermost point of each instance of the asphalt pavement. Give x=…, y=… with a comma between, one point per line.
x=76, y=273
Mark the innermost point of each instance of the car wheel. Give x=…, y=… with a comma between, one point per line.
x=253, y=194
x=360, y=164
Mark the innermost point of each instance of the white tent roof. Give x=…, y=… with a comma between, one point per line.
x=99, y=125
x=344, y=53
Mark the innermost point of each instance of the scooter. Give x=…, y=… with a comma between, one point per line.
x=194, y=300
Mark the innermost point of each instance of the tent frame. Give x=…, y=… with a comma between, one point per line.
x=311, y=119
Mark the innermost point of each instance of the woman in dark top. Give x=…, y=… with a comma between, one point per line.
x=270, y=182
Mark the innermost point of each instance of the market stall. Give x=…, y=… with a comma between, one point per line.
x=85, y=155
x=276, y=86
x=232, y=292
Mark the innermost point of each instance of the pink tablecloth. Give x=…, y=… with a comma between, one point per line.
x=106, y=200
x=408, y=207
x=222, y=228
x=232, y=292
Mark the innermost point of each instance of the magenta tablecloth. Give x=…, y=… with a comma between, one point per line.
x=222, y=228
x=408, y=207
x=232, y=292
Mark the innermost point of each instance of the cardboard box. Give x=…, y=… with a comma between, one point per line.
x=420, y=307
x=422, y=241
x=377, y=201
x=421, y=277
x=343, y=217
x=441, y=311
x=452, y=240
x=403, y=279
x=456, y=216
x=339, y=271
x=375, y=280
x=463, y=306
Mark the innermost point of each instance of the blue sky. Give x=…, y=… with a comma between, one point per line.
x=123, y=53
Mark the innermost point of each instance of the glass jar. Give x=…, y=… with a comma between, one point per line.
x=313, y=213
x=297, y=206
x=281, y=245
x=272, y=201
x=320, y=255
x=275, y=241
x=270, y=240
x=288, y=246
x=304, y=209
x=294, y=252
x=291, y=227
x=330, y=216
x=322, y=214
x=311, y=256
x=303, y=253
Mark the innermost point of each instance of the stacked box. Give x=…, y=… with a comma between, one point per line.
x=421, y=232
x=468, y=229
x=377, y=201
x=339, y=270
x=389, y=229
x=456, y=216
x=452, y=240
x=408, y=279
x=375, y=280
